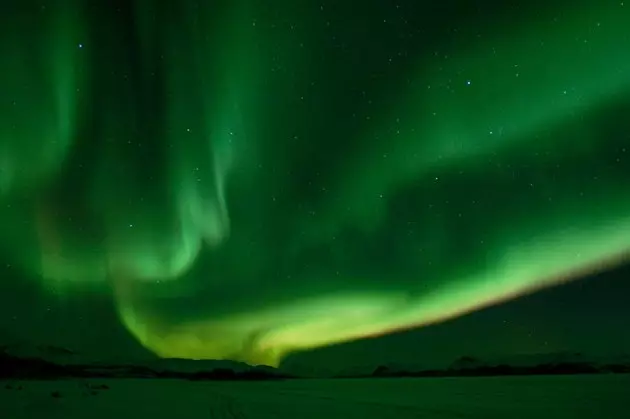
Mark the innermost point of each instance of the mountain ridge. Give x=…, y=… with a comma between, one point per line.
x=51, y=360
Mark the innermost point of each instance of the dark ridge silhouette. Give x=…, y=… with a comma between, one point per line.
x=226, y=374
x=472, y=367
x=30, y=368
x=13, y=366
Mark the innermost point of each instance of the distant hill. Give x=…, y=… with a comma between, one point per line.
x=52, y=353
x=53, y=362
x=539, y=364
x=50, y=362
x=367, y=370
x=193, y=365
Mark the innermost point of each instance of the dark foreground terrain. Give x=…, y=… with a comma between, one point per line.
x=540, y=397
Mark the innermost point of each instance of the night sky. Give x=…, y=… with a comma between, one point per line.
x=260, y=180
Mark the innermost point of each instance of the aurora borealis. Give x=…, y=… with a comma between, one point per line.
x=249, y=179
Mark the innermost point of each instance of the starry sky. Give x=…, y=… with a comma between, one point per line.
x=320, y=181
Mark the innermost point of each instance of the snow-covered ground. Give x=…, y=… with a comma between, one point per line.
x=557, y=397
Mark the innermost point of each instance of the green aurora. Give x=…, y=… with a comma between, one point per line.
x=248, y=186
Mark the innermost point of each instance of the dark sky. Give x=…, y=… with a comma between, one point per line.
x=250, y=179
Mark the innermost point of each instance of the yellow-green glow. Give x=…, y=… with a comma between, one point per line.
x=266, y=336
